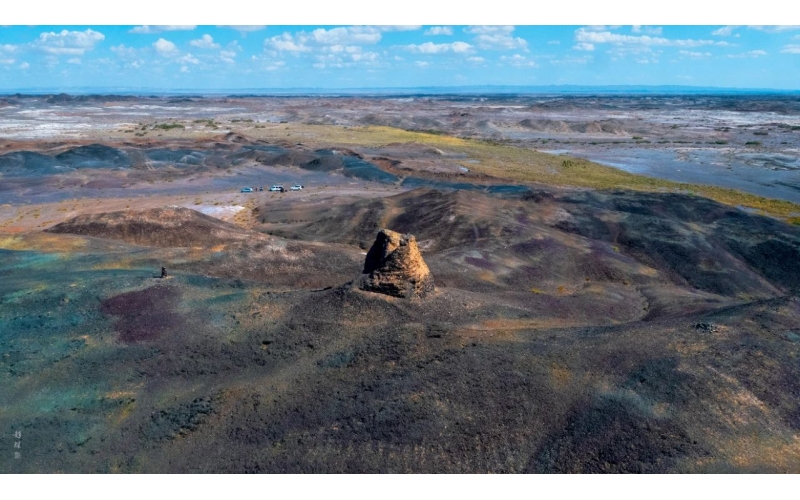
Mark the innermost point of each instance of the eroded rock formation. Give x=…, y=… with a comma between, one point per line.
x=395, y=267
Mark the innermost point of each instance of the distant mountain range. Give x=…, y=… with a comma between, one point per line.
x=415, y=91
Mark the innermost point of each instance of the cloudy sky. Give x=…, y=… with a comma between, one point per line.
x=264, y=57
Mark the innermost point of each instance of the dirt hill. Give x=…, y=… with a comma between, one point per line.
x=165, y=227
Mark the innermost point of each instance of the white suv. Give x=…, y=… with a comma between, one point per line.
x=296, y=187
x=277, y=187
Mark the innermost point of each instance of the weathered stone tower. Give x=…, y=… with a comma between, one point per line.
x=395, y=267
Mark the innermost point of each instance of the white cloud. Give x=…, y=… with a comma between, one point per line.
x=74, y=43
x=496, y=38
x=244, y=28
x=422, y=64
x=184, y=69
x=776, y=29
x=642, y=52
x=519, y=61
x=439, y=48
x=553, y=42
x=500, y=42
x=724, y=31
x=275, y=66
x=341, y=56
x=288, y=43
x=352, y=35
x=24, y=65
x=74, y=60
x=601, y=27
x=647, y=30
x=204, y=42
x=187, y=59
x=165, y=47
x=749, y=53
x=399, y=27
x=476, y=59
x=694, y=55
x=122, y=51
x=341, y=48
x=321, y=38
x=227, y=56
x=584, y=46
x=489, y=30
x=572, y=60
x=148, y=30
x=364, y=56
x=8, y=48
x=439, y=30
x=582, y=35
x=129, y=55
x=7, y=61
x=791, y=49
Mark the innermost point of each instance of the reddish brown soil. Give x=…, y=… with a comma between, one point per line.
x=144, y=314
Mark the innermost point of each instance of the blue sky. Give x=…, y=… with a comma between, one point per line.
x=263, y=57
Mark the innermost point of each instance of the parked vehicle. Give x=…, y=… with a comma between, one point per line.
x=296, y=187
x=247, y=190
x=278, y=187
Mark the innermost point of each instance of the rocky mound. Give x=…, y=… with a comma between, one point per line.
x=395, y=267
x=91, y=156
x=551, y=126
x=94, y=156
x=164, y=227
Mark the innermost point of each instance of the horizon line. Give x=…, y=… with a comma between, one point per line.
x=430, y=89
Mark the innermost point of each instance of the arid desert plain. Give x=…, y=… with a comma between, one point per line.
x=595, y=283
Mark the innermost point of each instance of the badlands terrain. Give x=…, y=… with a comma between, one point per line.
x=566, y=284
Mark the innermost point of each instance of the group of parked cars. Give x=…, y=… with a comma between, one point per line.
x=275, y=188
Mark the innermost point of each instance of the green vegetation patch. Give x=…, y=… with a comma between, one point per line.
x=168, y=126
